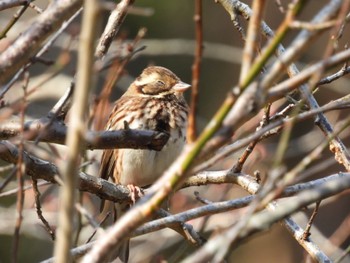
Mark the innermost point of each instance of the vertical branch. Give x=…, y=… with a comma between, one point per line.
x=252, y=38
x=20, y=173
x=196, y=68
x=76, y=130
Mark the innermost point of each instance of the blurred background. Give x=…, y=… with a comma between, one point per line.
x=170, y=42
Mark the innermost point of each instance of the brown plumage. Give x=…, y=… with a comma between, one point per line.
x=154, y=101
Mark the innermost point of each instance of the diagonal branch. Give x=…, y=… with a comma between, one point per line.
x=18, y=53
x=115, y=20
x=41, y=169
x=287, y=56
x=264, y=219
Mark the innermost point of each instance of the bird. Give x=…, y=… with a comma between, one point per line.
x=154, y=101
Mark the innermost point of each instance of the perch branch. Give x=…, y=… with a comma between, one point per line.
x=46, y=130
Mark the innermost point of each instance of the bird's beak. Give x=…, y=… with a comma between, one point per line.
x=181, y=86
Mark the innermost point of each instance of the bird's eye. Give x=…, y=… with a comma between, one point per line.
x=161, y=83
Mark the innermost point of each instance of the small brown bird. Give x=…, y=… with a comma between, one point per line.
x=154, y=101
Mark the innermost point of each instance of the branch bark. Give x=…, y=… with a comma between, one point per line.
x=18, y=53
x=115, y=20
x=46, y=130
x=76, y=130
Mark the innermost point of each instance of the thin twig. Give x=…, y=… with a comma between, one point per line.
x=300, y=77
x=342, y=72
x=36, y=8
x=264, y=219
x=312, y=26
x=201, y=199
x=5, y=4
x=25, y=188
x=307, y=233
x=115, y=20
x=268, y=129
x=8, y=178
x=13, y=21
x=89, y=217
x=252, y=39
x=196, y=69
x=243, y=158
x=20, y=171
x=39, y=211
x=99, y=227
x=60, y=110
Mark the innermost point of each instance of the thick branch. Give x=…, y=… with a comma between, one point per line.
x=40, y=169
x=30, y=40
x=44, y=130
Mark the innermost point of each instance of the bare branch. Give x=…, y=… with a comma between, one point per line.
x=39, y=210
x=13, y=21
x=76, y=130
x=283, y=87
x=20, y=174
x=41, y=169
x=17, y=54
x=342, y=72
x=5, y=4
x=264, y=219
x=39, y=54
x=196, y=69
x=222, y=177
x=46, y=130
x=252, y=39
x=115, y=20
